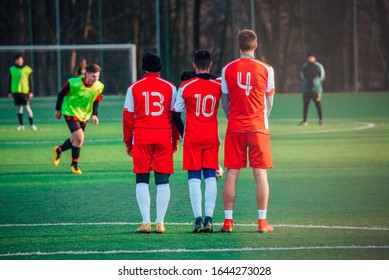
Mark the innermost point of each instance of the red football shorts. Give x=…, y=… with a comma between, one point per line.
x=196, y=159
x=235, y=150
x=157, y=157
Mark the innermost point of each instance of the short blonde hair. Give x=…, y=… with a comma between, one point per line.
x=247, y=40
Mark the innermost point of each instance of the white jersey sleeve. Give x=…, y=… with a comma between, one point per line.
x=270, y=88
x=129, y=101
x=224, y=82
x=179, y=105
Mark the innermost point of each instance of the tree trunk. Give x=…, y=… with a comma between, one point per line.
x=196, y=25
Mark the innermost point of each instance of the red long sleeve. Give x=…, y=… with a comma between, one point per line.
x=128, y=123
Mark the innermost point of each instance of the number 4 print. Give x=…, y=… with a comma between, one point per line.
x=247, y=87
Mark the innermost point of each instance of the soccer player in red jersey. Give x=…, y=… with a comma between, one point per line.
x=147, y=129
x=248, y=91
x=199, y=97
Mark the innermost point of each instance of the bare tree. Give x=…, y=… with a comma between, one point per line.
x=286, y=30
x=196, y=24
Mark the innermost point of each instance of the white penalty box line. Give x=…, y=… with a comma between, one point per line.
x=213, y=250
x=190, y=224
x=363, y=126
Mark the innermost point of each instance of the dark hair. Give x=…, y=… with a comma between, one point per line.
x=247, y=40
x=19, y=55
x=151, y=62
x=93, y=68
x=202, y=59
x=187, y=75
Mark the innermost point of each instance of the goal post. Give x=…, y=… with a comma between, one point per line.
x=54, y=64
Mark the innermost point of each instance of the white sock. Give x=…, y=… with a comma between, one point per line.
x=143, y=198
x=228, y=214
x=262, y=214
x=195, y=196
x=210, y=195
x=163, y=197
x=29, y=111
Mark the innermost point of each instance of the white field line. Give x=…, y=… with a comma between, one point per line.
x=246, y=249
x=363, y=125
x=190, y=224
x=34, y=142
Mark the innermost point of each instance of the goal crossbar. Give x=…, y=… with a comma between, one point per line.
x=67, y=47
x=36, y=48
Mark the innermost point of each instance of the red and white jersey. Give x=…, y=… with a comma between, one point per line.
x=150, y=100
x=199, y=97
x=248, y=82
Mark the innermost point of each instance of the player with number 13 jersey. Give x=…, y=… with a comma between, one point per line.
x=147, y=119
x=149, y=138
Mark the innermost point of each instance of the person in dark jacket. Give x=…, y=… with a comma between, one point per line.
x=312, y=75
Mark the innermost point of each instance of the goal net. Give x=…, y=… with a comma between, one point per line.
x=53, y=65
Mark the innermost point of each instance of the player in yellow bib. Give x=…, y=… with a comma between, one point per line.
x=78, y=101
x=20, y=89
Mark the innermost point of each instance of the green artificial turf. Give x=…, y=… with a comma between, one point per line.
x=329, y=190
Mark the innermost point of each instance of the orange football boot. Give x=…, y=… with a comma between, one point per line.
x=228, y=225
x=263, y=226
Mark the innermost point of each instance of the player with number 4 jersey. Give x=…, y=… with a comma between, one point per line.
x=248, y=83
x=248, y=92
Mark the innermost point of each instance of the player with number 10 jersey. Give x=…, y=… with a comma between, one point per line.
x=200, y=97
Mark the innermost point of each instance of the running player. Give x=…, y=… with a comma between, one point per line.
x=199, y=97
x=78, y=101
x=147, y=129
x=248, y=91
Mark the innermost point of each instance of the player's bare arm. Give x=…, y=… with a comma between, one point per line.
x=226, y=104
x=269, y=104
